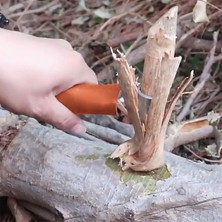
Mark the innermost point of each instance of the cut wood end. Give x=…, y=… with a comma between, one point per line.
x=162, y=36
x=172, y=12
x=167, y=23
x=190, y=126
x=114, y=55
x=121, y=59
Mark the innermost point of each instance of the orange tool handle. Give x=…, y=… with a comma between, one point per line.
x=91, y=99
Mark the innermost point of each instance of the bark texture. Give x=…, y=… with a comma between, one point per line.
x=68, y=178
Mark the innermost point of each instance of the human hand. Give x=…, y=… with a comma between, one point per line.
x=33, y=71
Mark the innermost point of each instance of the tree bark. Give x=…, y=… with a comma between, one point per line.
x=68, y=178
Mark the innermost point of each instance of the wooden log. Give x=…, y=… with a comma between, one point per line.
x=68, y=178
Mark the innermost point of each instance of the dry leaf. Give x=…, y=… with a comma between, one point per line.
x=80, y=20
x=103, y=13
x=165, y=1
x=200, y=11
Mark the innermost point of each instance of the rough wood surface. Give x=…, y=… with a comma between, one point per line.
x=144, y=152
x=72, y=178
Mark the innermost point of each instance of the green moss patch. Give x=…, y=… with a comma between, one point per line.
x=148, y=179
x=82, y=158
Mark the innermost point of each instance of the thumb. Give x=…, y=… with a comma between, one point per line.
x=56, y=114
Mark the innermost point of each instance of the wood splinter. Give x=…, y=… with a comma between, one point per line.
x=144, y=152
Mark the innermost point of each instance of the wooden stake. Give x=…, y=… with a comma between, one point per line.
x=144, y=152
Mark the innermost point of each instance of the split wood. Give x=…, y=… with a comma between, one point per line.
x=144, y=152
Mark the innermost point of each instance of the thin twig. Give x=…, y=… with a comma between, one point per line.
x=38, y=10
x=205, y=103
x=117, y=17
x=122, y=108
x=203, y=78
x=23, y=13
x=134, y=44
x=192, y=31
x=202, y=158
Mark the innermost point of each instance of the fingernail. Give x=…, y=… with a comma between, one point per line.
x=78, y=129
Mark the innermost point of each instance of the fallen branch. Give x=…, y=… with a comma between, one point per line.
x=110, y=122
x=64, y=178
x=190, y=131
x=108, y=135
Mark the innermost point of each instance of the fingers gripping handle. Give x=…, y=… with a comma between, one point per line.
x=91, y=99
